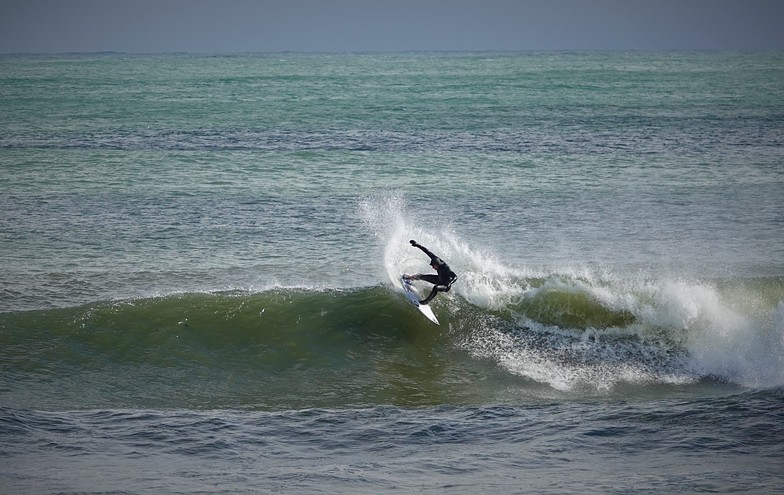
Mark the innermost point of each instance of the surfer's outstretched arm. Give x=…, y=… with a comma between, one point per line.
x=423, y=248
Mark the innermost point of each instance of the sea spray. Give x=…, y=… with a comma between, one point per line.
x=589, y=328
x=483, y=280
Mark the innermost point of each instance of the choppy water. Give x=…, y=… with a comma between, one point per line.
x=729, y=444
x=199, y=257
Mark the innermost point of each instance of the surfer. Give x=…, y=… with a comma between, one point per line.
x=442, y=281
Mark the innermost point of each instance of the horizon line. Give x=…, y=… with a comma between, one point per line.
x=422, y=51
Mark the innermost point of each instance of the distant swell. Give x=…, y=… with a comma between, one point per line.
x=645, y=137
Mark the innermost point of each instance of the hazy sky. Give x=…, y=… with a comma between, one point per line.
x=201, y=26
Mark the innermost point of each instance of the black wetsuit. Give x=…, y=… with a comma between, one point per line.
x=442, y=281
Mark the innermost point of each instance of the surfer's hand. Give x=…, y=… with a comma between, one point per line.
x=413, y=242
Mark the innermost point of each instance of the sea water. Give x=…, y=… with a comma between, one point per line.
x=199, y=262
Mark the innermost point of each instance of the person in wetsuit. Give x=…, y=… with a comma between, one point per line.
x=442, y=281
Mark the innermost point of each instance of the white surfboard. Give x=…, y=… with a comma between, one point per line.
x=412, y=296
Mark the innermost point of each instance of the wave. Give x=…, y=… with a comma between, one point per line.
x=297, y=348
x=508, y=333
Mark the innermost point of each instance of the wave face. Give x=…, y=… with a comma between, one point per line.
x=501, y=340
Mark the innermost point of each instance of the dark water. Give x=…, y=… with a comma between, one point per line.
x=727, y=445
x=199, y=258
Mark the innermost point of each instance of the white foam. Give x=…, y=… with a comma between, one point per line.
x=683, y=331
x=734, y=346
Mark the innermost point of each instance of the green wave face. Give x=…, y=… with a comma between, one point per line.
x=295, y=348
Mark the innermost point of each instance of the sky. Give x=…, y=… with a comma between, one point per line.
x=238, y=26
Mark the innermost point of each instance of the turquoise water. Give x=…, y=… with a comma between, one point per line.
x=207, y=248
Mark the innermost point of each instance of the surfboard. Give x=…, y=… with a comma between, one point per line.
x=412, y=296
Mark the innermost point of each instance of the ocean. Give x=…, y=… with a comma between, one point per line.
x=200, y=260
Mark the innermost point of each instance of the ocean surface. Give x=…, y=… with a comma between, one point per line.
x=200, y=255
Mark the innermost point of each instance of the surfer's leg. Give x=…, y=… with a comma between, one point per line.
x=430, y=278
x=431, y=296
x=436, y=290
